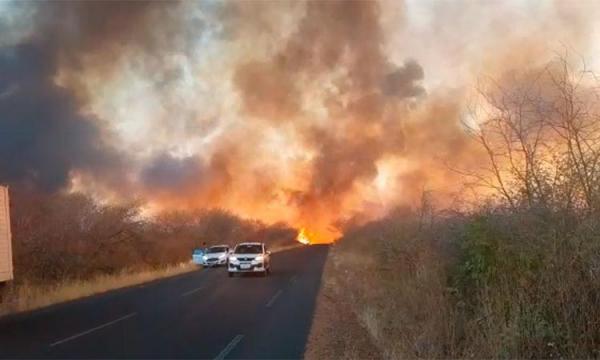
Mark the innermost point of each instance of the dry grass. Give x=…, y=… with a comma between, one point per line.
x=394, y=282
x=336, y=332
x=24, y=297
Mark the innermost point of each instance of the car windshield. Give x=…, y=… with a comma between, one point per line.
x=217, y=249
x=248, y=249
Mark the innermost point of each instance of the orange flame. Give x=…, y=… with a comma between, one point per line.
x=303, y=237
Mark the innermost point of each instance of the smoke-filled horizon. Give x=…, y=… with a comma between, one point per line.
x=312, y=113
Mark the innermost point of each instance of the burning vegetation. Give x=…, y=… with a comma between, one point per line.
x=319, y=121
x=333, y=116
x=303, y=237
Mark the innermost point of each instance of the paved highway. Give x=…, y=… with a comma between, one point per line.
x=202, y=314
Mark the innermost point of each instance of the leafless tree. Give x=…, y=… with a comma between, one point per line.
x=541, y=133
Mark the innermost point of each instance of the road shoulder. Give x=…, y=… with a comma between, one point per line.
x=336, y=332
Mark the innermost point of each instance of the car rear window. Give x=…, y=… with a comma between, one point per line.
x=248, y=249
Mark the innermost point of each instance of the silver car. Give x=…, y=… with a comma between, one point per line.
x=216, y=256
x=251, y=257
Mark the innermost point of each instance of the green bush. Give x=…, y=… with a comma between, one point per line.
x=479, y=256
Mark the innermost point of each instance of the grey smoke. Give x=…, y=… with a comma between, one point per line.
x=43, y=135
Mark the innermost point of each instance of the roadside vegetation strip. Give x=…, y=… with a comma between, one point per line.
x=336, y=332
x=89, y=331
x=232, y=344
x=25, y=297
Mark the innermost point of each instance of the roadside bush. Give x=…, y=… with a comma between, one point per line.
x=64, y=237
x=517, y=276
x=393, y=273
x=495, y=283
x=530, y=287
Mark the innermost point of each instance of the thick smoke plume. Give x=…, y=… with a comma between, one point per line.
x=364, y=109
x=45, y=132
x=44, y=135
x=316, y=113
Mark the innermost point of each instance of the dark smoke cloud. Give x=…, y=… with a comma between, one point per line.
x=166, y=172
x=401, y=82
x=44, y=134
x=106, y=30
x=364, y=121
x=269, y=91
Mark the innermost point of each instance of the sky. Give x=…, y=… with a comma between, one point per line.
x=318, y=114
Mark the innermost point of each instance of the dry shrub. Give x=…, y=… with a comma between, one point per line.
x=516, y=277
x=517, y=274
x=70, y=237
x=527, y=274
x=495, y=283
x=393, y=273
x=528, y=283
x=67, y=245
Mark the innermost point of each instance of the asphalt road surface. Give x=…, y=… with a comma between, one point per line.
x=202, y=314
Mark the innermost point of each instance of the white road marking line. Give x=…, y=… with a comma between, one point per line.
x=229, y=347
x=92, y=330
x=272, y=301
x=192, y=291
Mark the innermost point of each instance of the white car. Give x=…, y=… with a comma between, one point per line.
x=216, y=255
x=250, y=258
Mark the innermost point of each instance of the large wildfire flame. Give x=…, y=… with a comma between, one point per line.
x=303, y=237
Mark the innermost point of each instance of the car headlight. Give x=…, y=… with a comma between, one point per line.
x=205, y=257
x=259, y=258
x=233, y=259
